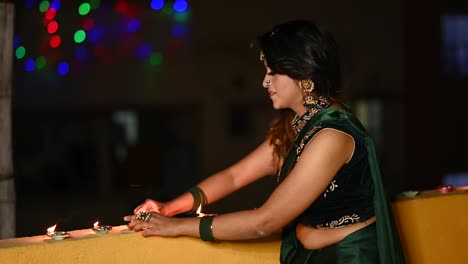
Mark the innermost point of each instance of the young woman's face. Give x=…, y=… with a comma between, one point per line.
x=284, y=91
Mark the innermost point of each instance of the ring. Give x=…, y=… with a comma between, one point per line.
x=268, y=82
x=143, y=216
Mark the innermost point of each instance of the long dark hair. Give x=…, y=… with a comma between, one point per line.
x=302, y=50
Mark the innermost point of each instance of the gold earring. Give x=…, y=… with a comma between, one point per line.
x=307, y=86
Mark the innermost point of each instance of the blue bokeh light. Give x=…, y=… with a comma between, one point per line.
x=95, y=34
x=29, y=65
x=179, y=30
x=16, y=41
x=63, y=68
x=144, y=50
x=55, y=4
x=157, y=4
x=180, y=5
x=134, y=25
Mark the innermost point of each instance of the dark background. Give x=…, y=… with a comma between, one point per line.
x=203, y=107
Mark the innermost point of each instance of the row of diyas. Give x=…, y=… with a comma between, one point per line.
x=98, y=229
x=61, y=235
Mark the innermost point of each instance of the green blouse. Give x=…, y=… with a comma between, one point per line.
x=355, y=194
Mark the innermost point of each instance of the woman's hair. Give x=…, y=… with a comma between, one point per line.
x=302, y=50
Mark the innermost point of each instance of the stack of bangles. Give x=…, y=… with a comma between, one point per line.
x=206, y=222
x=143, y=216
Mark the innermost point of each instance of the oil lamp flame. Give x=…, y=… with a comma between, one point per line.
x=51, y=229
x=96, y=224
x=199, y=213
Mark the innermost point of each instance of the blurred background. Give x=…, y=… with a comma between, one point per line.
x=115, y=101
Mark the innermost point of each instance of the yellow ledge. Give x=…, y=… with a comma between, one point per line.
x=124, y=246
x=433, y=229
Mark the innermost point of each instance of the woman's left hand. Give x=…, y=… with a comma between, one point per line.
x=157, y=225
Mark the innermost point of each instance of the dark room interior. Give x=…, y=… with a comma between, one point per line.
x=156, y=98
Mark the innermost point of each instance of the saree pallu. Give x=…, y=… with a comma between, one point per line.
x=386, y=241
x=359, y=247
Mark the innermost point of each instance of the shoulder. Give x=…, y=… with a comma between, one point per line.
x=344, y=121
x=326, y=152
x=331, y=137
x=330, y=142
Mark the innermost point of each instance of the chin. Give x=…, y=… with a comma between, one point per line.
x=277, y=107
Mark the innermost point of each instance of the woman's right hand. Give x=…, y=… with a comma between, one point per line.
x=150, y=206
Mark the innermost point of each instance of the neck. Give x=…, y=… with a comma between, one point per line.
x=300, y=110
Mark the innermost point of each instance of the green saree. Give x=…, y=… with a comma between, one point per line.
x=360, y=246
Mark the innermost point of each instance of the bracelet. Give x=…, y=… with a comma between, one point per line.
x=206, y=228
x=199, y=198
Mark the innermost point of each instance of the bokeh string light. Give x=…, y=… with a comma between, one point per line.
x=86, y=36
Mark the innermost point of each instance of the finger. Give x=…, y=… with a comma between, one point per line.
x=147, y=232
x=129, y=218
x=138, y=208
x=132, y=224
x=146, y=207
x=150, y=223
x=141, y=225
x=151, y=204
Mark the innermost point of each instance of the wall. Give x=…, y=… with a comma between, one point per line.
x=221, y=71
x=369, y=35
x=436, y=108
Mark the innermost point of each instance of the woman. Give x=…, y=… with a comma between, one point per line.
x=329, y=203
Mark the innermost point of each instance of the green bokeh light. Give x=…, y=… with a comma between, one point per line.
x=181, y=17
x=80, y=36
x=156, y=59
x=167, y=9
x=20, y=52
x=84, y=9
x=40, y=62
x=94, y=3
x=44, y=6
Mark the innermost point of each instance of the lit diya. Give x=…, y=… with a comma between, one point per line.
x=57, y=235
x=101, y=229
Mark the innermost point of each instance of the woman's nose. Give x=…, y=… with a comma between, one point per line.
x=266, y=83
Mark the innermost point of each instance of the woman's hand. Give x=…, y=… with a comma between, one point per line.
x=150, y=206
x=157, y=225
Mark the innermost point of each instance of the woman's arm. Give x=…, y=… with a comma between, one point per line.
x=321, y=159
x=257, y=164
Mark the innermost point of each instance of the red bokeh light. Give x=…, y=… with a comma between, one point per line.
x=88, y=24
x=121, y=6
x=52, y=27
x=55, y=41
x=50, y=14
